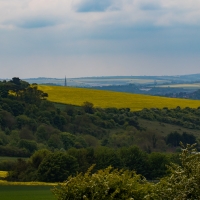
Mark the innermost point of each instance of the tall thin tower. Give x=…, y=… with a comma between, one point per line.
x=65, y=82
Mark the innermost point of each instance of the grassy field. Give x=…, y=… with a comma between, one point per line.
x=164, y=129
x=185, y=86
x=23, y=192
x=5, y=158
x=104, y=99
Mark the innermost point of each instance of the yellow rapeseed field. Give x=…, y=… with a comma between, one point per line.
x=2, y=182
x=105, y=99
x=3, y=174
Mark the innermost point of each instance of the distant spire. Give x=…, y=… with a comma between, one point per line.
x=65, y=81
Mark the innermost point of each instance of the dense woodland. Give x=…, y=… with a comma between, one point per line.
x=61, y=140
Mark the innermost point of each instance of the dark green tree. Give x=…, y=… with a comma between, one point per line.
x=88, y=107
x=31, y=146
x=135, y=159
x=38, y=157
x=57, y=167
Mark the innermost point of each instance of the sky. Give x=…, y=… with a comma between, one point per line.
x=82, y=38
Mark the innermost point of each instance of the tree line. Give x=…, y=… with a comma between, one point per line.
x=57, y=166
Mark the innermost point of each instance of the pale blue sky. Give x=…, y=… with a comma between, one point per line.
x=77, y=38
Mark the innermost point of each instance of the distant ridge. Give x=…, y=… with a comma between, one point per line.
x=115, y=80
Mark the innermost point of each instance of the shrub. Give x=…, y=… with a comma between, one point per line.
x=184, y=180
x=105, y=184
x=57, y=167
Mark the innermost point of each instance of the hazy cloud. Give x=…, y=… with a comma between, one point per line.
x=93, y=5
x=150, y=6
x=36, y=23
x=133, y=34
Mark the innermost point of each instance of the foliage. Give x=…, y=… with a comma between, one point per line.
x=135, y=159
x=105, y=157
x=104, y=184
x=88, y=107
x=183, y=181
x=38, y=157
x=31, y=146
x=13, y=151
x=57, y=167
x=175, y=138
x=21, y=171
x=186, y=117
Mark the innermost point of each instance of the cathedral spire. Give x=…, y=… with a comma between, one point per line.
x=65, y=82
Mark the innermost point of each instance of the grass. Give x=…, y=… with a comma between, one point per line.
x=5, y=158
x=23, y=192
x=164, y=129
x=185, y=86
x=104, y=99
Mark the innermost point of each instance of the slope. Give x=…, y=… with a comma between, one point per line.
x=105, y=99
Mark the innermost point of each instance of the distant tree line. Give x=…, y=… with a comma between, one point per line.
x=57, y=166
x=151, y=89
x=186, y=117
x=186, y=95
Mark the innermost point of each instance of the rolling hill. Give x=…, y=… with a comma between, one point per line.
x=105, y=99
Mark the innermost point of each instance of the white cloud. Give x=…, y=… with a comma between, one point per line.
x=15, y=13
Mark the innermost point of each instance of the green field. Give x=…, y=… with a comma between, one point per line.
x=22, y=192
x=5, y=158
x=105, y=99
x=25, y=190
x=185, y=86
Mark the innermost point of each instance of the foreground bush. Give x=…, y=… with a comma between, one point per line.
x=184, y=181
x=105, y=184
x=181, y=184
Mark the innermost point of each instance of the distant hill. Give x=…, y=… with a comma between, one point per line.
x=105, y=99
x=116, y=80
x=180, y=86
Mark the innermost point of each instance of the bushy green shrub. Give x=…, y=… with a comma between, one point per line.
x=184, y=180
x=105, y=184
